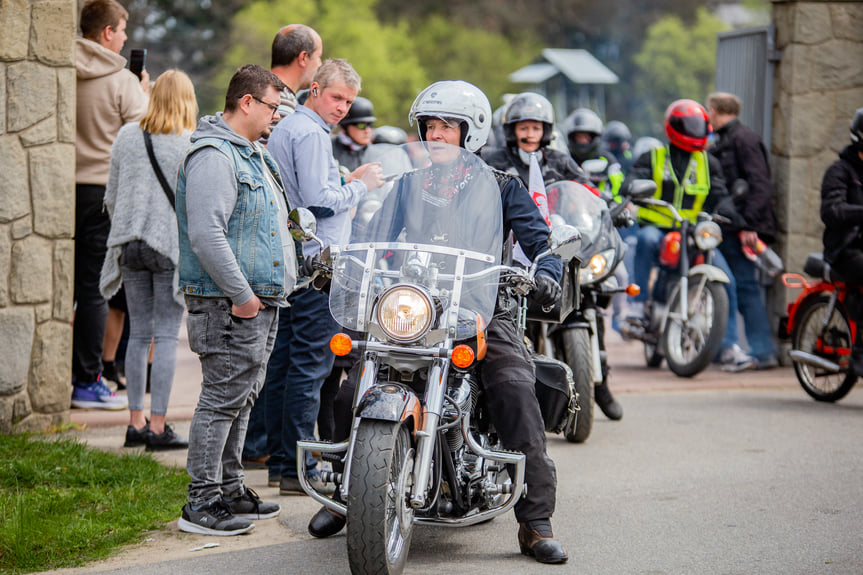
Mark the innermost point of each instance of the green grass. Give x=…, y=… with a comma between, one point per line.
x=63, y=504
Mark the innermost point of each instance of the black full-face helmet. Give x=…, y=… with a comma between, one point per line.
x=586, y=121
x=857, y=130
x=528, y=106
x=615, y=134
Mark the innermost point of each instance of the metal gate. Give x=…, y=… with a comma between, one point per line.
x=744, y=67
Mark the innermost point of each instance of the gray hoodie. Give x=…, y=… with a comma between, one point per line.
x=211, y=196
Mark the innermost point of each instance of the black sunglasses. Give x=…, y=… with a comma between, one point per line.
x=363, y=125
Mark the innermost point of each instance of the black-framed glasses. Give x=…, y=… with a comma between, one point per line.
x=363, y=125
x=272, y=107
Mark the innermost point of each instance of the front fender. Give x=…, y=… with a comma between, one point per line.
x=712, y=272
x=390, y=402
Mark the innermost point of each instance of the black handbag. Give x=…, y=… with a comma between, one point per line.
x=161, y=177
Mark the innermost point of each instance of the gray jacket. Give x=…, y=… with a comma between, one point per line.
x=136, y=201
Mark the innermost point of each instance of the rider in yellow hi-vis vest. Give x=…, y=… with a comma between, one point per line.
x=692, y=181
x=687, y=194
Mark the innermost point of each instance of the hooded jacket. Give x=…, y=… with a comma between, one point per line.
x=108, y=96
x=842, y=204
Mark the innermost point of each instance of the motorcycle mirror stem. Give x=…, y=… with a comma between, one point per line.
x=304, y=226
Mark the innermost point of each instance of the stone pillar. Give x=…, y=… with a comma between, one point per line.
x=818, y=84
x=37, y=207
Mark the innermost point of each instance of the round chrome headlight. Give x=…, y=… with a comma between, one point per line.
x=707, y=235
x=597, y=267
x=405, y=313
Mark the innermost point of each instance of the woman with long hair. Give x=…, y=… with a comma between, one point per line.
x=143, y=250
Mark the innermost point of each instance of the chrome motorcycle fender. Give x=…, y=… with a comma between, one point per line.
x=712, y=272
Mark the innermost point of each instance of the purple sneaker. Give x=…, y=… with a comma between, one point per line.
x=96, y=396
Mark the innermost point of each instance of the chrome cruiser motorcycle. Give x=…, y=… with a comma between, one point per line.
x=420, y=288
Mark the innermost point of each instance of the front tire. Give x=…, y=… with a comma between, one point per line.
x=380, y=518
x=576, y=351
x=811, y=337
x=691, y=345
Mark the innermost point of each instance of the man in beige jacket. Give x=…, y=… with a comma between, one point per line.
x=108, y=96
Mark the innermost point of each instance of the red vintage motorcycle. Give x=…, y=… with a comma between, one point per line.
x=821, y=330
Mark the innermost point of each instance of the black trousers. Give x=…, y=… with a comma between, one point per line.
x=91, y=310
x=508, y=379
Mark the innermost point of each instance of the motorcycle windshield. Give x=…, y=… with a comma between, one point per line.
x=439, y=227
x=577, y=206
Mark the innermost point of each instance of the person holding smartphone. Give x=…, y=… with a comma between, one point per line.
x=108, y=96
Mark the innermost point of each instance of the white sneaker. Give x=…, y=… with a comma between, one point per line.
x=734, y=359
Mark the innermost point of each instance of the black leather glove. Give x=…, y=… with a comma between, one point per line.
x=547, y=292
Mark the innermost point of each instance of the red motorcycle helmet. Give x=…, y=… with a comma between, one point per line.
x=687, y=125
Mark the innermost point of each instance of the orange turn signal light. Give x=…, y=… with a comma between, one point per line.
x=462, y=356
x=341, y=344
x=633, y=290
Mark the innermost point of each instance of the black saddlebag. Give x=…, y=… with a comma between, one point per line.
x=554, y=391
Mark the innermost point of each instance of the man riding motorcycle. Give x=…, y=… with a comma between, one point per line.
x=584, y=136
x=459, y=114
x=691, y=179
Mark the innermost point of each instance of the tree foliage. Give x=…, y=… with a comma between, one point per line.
x=382, y=54
x=453, y=52
x=676, y=61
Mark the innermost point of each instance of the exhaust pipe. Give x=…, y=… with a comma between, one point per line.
x=814, y=360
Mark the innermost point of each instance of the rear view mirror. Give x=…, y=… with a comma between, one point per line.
x=304, y=224
x=640, y=189
x=595, y=166
x=564, y=241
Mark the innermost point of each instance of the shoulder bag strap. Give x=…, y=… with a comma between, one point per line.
x=168, y=192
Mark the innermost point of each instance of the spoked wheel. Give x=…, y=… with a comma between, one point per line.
x=576, y=350
x=380, y=518
x=829, y=339
x=692, y=343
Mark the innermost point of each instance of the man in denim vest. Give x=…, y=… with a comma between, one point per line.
x=237, y=266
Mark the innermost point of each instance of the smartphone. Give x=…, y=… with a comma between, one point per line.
x=136, y=61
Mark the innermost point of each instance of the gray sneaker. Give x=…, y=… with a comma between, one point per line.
x=213, y=519
x=250, y=506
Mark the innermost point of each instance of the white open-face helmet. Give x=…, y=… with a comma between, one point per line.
x=455, y=99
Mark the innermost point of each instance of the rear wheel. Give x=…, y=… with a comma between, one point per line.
x=692, y=343
x=829, y=339
x=576, y=351
x=380, y=518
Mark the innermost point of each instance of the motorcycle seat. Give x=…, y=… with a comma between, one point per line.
x=815, y=266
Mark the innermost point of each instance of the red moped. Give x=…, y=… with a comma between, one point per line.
x=821, y=330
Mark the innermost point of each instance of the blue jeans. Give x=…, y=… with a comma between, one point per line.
x=233, y=353
x=300, y=362
x=647, y=256
x=749, y=300
x=154, y=314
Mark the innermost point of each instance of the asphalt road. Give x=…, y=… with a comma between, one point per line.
x=745, y=480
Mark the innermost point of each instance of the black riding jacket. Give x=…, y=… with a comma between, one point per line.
x=842, y=204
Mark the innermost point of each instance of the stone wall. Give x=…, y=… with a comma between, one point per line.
x=818, y=84
x=37, y=207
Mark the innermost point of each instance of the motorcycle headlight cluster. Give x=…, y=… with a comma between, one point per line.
x=597, y=267
x=707, y=235
x=405, y=313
